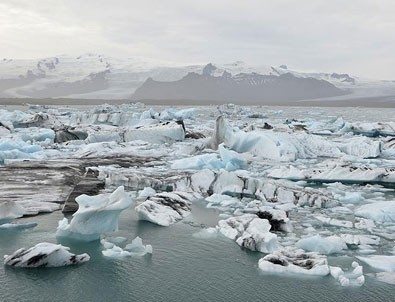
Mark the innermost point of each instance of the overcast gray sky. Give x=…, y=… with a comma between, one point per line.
x=319, y=35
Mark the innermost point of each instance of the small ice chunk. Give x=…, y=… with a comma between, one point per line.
x=353, y=278
x=137, y=248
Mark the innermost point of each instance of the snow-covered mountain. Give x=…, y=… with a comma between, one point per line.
x=100, y=77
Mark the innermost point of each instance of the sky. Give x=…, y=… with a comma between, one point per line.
x=356, y=37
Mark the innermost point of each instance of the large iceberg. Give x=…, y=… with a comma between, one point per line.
x=44, y=255
x=96, y=215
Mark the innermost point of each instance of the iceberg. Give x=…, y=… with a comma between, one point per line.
x=295, y=261
x=322, y=245
x=44, y=255
x=165, y=208
x=96, y=215
x=249, y=231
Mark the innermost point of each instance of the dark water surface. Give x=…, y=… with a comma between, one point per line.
x=182, y=268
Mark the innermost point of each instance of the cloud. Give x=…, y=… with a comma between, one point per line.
x=315, y=35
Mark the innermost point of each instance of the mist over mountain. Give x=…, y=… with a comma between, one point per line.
x=95, y=76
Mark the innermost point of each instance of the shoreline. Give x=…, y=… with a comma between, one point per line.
x=367, y=102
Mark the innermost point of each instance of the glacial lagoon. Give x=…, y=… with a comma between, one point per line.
x=188, y=266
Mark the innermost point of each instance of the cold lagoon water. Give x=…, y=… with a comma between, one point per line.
x=324, y=175
x=181, y=268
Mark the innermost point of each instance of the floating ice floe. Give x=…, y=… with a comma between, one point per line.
x=135, y=248
x=165, y=208
x=352, y=278
x=322, y=245
x=383, y=211
x=10, y=210
x=96, y=215
x=379, y=262
x=386, y=277
x=250, y=231
x=44, y=255
x=17, y=226
x=228, y=160
x=295, y=261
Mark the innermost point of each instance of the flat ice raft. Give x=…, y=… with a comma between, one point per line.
x=44, y=255
x=95, y=215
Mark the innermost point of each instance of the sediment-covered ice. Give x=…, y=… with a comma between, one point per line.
x=337, y=172
x=167, y=132
x=165, y=208
x=96, y=215
x=295, y=261
x=44, y=255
